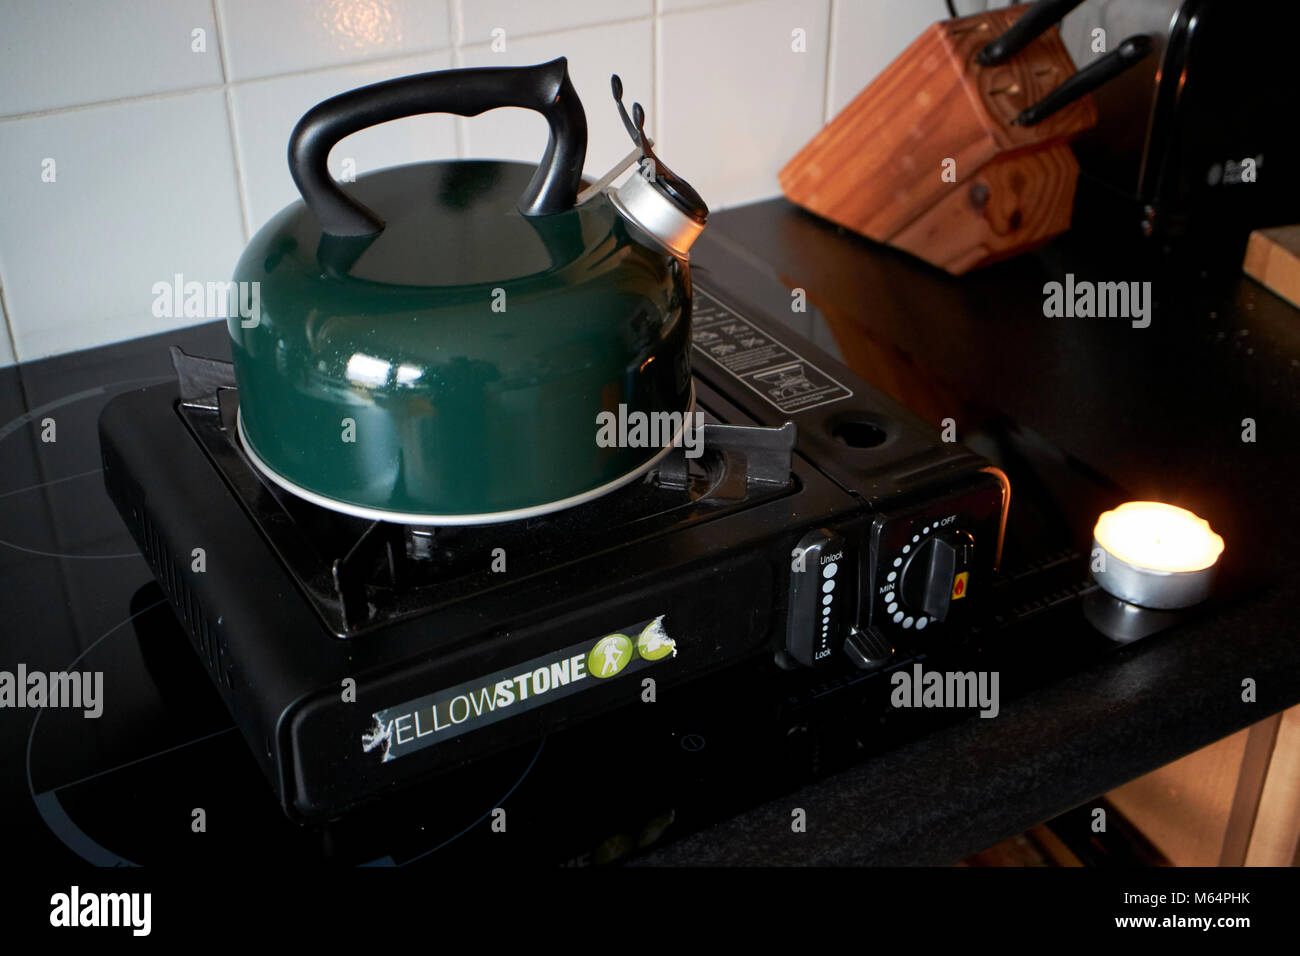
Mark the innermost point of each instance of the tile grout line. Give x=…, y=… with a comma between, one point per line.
x=656, y=51
x=464, y=140
x=456, y=26
x=343, y=65
x=659, y=75
x=829, y=77
x=715, y=5
x=120, y=101
x=456, y=22
x=240, y=189
x=210, y=87
x=457, y=43
x=617, y=21
x=9, y=326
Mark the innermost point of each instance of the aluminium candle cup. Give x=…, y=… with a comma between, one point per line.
x=1156, y=555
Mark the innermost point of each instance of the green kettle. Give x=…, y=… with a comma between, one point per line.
x=448, y=342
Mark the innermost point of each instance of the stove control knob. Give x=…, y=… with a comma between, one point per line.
x=936, y=573
x=821, y=594
x=869, y=649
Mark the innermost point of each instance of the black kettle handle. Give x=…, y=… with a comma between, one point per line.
x=545, y=88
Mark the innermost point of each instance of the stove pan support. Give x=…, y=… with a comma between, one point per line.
x=764, y=452
x=380, y=542
x=201, y=380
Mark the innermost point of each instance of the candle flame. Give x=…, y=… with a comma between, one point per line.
x=1158, y=537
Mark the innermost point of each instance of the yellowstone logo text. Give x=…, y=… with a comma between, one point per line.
x=398, y=731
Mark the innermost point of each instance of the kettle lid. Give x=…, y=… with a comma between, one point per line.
x=450, y=223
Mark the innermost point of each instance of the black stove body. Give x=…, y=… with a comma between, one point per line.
x=822, y=521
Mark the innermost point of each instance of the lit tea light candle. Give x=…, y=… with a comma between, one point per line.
x=1155, y=555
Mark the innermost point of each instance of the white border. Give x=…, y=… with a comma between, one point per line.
x=495, y=517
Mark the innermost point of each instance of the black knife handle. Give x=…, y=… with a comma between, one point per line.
x=1033, y=22
x=1088, y=79
x=545, y=88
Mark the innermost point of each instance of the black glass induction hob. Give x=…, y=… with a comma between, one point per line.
x=116, y=789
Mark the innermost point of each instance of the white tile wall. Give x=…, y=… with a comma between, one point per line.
x=675, y=6
x=169, y=144
x=6, y=347
x=262, y=38
x=868, y=34
x=265, y=112
x=142, y=190
x=738, y=100
x=481, y=18
x=594, y=54
x=56, y=53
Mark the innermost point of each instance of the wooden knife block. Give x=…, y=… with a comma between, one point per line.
x=878, y=167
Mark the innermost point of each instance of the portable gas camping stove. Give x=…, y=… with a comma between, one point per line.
x=822, y=524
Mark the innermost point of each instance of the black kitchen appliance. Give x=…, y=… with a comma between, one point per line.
x=822, y=524
x=1195, y=142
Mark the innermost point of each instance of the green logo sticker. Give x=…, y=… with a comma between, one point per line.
x=544, y=680
x=610, y=655
x=654, y=643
